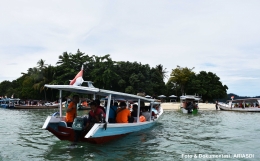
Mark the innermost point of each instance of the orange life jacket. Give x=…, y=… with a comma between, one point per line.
x=142, y=119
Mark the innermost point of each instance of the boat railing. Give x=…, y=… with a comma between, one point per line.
x=224, y=104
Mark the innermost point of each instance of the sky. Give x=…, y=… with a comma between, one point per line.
x=219, y=36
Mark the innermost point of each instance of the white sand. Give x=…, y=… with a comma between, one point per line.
x=176, y=106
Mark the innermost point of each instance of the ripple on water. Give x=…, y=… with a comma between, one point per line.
x=209, y=132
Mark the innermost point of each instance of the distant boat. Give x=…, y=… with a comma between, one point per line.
x=35, y=106
x=13, y=103
x=9, y=102
x=47, y=105
x=241, y=105
x=189, y=104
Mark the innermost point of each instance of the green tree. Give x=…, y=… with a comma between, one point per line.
x=162, y=71
x=181, y=76
x=4, y=87
x=69, y=65
x=208, y=85
x=48, y=75
x=41, y=65
x=104, y=72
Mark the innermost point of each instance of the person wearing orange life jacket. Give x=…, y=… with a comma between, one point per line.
x=123, y=114
x=71, y=112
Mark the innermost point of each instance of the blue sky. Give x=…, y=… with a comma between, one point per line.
x=218, y=35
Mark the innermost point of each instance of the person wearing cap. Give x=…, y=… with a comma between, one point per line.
x=71, y=112
x=123, y=114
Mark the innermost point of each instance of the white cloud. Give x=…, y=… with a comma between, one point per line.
x=217, y=36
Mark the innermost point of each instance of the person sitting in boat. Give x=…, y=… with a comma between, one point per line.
x=116, y=104
x=123, y=114
x=195, y=105
x=146, y=113
x=71, y=112
x=155, y=111
x=112, y=113
x=98, y=105
x=189, y=107
x=96, y=114
x=184, y=104
x=135, y=111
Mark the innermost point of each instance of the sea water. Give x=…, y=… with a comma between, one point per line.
x=208, y=135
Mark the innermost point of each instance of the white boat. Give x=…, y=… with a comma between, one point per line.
x=241, y=105
x=9, y=102
x=35, y=106
x=100, y=132
x=189, y=104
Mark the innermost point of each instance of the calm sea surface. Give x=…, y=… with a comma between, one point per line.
x=174, y=137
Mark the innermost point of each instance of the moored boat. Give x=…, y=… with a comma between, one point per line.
x=9, y=102
x=189, y=104
x=241, y=105
x=35, y=107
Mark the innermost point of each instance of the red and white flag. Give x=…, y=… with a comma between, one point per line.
x=78, y=80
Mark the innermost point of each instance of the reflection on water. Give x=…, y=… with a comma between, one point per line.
x=209, y=132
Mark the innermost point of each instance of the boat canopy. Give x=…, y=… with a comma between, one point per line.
x=191, y=97
x=147, y=96
x=10, y=99
x=246, y=99
x=97, y=91
x=162, y=96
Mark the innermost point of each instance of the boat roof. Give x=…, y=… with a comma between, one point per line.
x=10, y=99
x=245, y=99
x=97, y=91
x=190, y=97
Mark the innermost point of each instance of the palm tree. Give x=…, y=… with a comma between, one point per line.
x=162, y=71
x=64, y=58
x=48, y=77
x=41, y=64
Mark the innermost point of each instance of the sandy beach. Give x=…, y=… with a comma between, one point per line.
x=176, y=106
